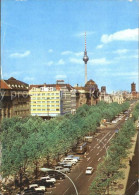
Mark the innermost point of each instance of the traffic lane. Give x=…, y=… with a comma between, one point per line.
x=83, y=181
x=93, y=162
x=76, y=172
x=79, y=169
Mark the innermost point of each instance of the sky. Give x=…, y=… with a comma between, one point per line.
x=44, y=40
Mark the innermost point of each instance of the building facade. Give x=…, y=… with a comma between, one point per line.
x=52, y=99
x=88, y=94
x=15, y=100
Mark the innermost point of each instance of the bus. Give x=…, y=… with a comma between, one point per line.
x=81, y=148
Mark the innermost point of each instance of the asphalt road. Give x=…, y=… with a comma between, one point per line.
x=97, y=150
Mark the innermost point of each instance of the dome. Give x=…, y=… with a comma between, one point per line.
x=91, y=84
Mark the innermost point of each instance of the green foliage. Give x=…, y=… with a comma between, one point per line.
x=108, y=170
x=26, y=140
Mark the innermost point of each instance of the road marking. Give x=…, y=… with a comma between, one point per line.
x=97, y=154
x=99, y=159
x=88, y=158
x=90, y=178
x=65, y=191
x=79, y=175
x=100, y=140
x=98, y=147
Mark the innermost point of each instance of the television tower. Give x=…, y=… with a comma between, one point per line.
x=85, y=59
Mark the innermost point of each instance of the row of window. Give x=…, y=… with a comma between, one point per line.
x=44, y=105
x=46, y=94
x=45, y=102
x=44, y=98
x=45, y=110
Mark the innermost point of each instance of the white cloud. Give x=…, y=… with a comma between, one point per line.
x=66, y=52
x=49, y=63
x=20, y=55
x=79, y=53
x=12, y=74
x=76, y=61
x=125, y=74
x=50, y=51
x=82, y=34
x=99, y=46
x=124, y=35
x=130, y=0
x=61, y=76
x=61, y=62
x=100, y=61
x=121, y=51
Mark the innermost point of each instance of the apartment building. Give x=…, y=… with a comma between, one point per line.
x=52, y=99
x=14, y=100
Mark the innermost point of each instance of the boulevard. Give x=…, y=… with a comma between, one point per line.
x=96, y=153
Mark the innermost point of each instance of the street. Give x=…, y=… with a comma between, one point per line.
x=97, y=150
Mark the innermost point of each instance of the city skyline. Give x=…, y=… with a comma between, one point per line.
x=42, y=41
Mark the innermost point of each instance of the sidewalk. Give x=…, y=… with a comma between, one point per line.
x=120, y=187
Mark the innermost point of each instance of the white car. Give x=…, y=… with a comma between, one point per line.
x=48, y=179
x=89, y=170
x=74, y=157
x=33, y=186
x=74, y=160
x=114, y=121
x=36, y=187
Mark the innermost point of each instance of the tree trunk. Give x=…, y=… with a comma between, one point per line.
x=36, y=169
x=48, y=161
x=20, y=179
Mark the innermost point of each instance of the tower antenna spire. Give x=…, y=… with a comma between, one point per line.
x=85, y=41
x=85, y=59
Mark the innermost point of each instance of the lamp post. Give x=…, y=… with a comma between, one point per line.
x=46, y=169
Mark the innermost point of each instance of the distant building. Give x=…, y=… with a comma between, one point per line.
x=15, y=100
x=50, y=100
x=88, y=94
x=134, y=93
x=133, y=87
x=114, y=97
x=103, y=90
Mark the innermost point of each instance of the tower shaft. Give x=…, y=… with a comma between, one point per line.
x=85, y=72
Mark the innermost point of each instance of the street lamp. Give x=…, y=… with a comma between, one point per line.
x=47, y=169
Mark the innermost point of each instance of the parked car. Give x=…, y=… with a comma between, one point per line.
x=69, y=162
x=65, y=164
x=89, y=170
x=44, y=183
x=56, y=175
x=74, y=157
x=70, y=159
x=37, y=187
x=32, y=192
x=48, y=179
x=62, y=169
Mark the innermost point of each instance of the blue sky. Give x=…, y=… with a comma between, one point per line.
x=43, y=40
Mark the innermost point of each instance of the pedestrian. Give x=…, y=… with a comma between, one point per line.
x=130, y=162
